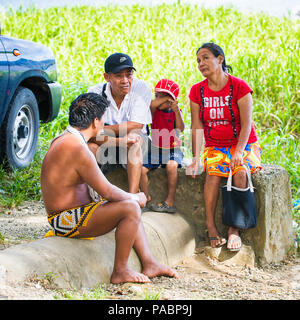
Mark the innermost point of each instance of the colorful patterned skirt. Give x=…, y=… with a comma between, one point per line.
x=216, y=159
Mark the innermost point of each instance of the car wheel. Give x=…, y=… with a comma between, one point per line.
x=21, y=129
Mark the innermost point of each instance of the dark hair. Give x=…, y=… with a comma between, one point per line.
x=216, y=51
x=85, y=108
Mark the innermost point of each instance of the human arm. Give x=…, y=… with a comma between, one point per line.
x=155, y=103
x=120, y=130
x=98, y=182
x=245, y=106
x=197, y=138
x=179, y=123
x=109, y=141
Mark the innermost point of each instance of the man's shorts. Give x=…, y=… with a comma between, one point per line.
x=67, y=222
x=160, y=157
x=216, y=159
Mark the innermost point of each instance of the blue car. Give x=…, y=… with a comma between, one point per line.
x=29, y=93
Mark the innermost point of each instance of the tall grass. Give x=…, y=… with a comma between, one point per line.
x=162, y=41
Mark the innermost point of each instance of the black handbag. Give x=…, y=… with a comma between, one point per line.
x=239, y=205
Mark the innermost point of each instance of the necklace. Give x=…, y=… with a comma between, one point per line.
x=76, y=132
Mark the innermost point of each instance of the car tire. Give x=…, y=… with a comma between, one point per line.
x=20, y=129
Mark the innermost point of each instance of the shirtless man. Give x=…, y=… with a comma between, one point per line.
x=69, y=169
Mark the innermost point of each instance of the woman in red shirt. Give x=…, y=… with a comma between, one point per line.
x=221, y=109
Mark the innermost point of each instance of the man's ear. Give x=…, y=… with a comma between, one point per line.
x=94, y=123
x=106, y=77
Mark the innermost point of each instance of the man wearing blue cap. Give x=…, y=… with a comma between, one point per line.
x=125, y=134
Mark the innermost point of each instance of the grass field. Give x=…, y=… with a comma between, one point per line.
x=162, y=41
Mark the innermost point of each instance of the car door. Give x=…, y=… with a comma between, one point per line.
x=4, y=75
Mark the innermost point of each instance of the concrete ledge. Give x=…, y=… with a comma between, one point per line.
x=271, y=240
x=77, y=263
x=84, y=263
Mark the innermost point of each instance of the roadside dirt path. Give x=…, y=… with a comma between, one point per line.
x=200, y=277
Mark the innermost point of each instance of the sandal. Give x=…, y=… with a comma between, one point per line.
x=217, y=238
x=145, y=209
x=163, y=207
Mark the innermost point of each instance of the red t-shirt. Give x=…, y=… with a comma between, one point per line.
x=218, y=121
x=163, y=129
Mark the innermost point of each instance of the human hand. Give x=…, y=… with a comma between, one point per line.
x=141, y=198
x=236, y=160
x=173, y=104
x=192, y=169
x=134, y=139
x=130, y=139
x=159, y=102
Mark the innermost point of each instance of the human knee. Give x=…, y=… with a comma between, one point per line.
x=172, y=165
x=144, y=171
x=134, y=155
x=132, y=210
x=240, y=178
x=212, y=180
x=240, y=175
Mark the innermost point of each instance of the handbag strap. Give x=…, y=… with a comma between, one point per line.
x=250, y=184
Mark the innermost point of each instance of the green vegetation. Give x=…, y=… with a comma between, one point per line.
x=96, y=293
x=162, y=40
x=99, y=292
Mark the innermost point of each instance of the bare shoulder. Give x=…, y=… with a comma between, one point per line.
x=65, y=148
x=67, y=140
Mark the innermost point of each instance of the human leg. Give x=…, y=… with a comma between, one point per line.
x=150, y=267
x=125, y=216
x=216, y=162
x=234, y=240
x=172, y=174
x=211, y=194
x=150, y=162
x=239, y=179
x=171, y=160
x=130, y=233
x=144, y=182
x=134, y=167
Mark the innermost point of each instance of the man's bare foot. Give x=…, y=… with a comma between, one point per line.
x=128, y=275
x=156, y=269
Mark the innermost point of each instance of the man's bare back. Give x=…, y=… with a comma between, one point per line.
x=62, y=186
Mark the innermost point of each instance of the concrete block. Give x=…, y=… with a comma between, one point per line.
x=245, y=257
x=79, y=263
x=83, y=263
x=271, y=240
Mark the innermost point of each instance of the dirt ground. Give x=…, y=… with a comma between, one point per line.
x=200, y=277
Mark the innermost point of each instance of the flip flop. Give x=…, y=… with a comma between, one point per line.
x=233, y=241
x=217, y=238
x=145, y=209
x=163, y=207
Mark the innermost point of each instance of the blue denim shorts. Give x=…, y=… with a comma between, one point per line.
x=160, y=157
